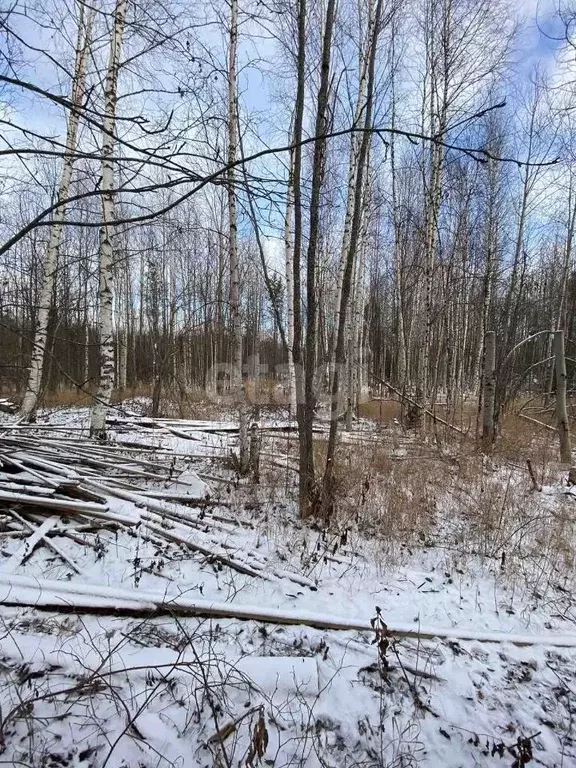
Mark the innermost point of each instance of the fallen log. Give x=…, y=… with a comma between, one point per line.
x=46, y=466
x=535, y=421
x=29, y=545
x=208, y=552
x=11, y=461
x=31, y=489
x=99, y=511
x=181, y=498
x=422, y=408
x=52, y=545
x=49, y=594
x=65, y=505
x=156, y=512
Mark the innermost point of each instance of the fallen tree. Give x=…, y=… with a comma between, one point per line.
x=48, y=594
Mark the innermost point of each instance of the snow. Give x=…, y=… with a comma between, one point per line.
x=31, y=591
x=29, y=544
x=484, y=653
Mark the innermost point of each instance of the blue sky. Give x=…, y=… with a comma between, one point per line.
x=543, y=29
x=256, y=87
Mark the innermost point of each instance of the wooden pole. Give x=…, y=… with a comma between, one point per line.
x=561, y=412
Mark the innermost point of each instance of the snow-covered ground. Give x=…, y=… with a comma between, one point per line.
x=453, y=658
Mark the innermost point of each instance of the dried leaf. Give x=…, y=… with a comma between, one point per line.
x=222, y=733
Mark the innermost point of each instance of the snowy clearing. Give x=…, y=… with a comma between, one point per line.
x=160, y=611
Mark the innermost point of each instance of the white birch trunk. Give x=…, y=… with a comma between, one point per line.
x=567, y=262
x=30, y=401
x=402, y=363
x=489, y=274
x=430, y=237
x=358, y=301
x=122, y=359
x=559, y=318
x=106, y=291
x=355, y=144
x=361, y=393
x=236, y=320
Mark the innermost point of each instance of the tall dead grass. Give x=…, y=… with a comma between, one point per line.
x=401, y=493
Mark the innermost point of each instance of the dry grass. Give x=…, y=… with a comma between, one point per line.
x=400, y=492
x=520, y=440
x=266, y=392
x=83, y=397
x=388, y=497
x=381, y=411
x=67, y=397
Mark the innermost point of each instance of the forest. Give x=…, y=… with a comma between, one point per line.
x=287, y=377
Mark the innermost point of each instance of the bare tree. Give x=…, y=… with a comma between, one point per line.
x=235, y=313
x=327, y=500
x=289, y=260
x=561, y=411
x=83, y=43
x=106, y=267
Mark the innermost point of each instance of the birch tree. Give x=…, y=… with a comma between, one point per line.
x=83, y=44
x=465, y=45
x=106, y=250
x=306, y=468
x=402, y=366
x=355, y=144
x=561, y=410
x=235, y=309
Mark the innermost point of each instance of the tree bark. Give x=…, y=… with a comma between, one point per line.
x=561, y=411
x=306, y=479
x=106, y=291
x=83, y=44
x=402, y=363
x=489, y=275
x=122, y=358
x=235, y=313
x=355, y=143
x=289, y=261
x=297, y=352
x=327, y=499
x=489, y=388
